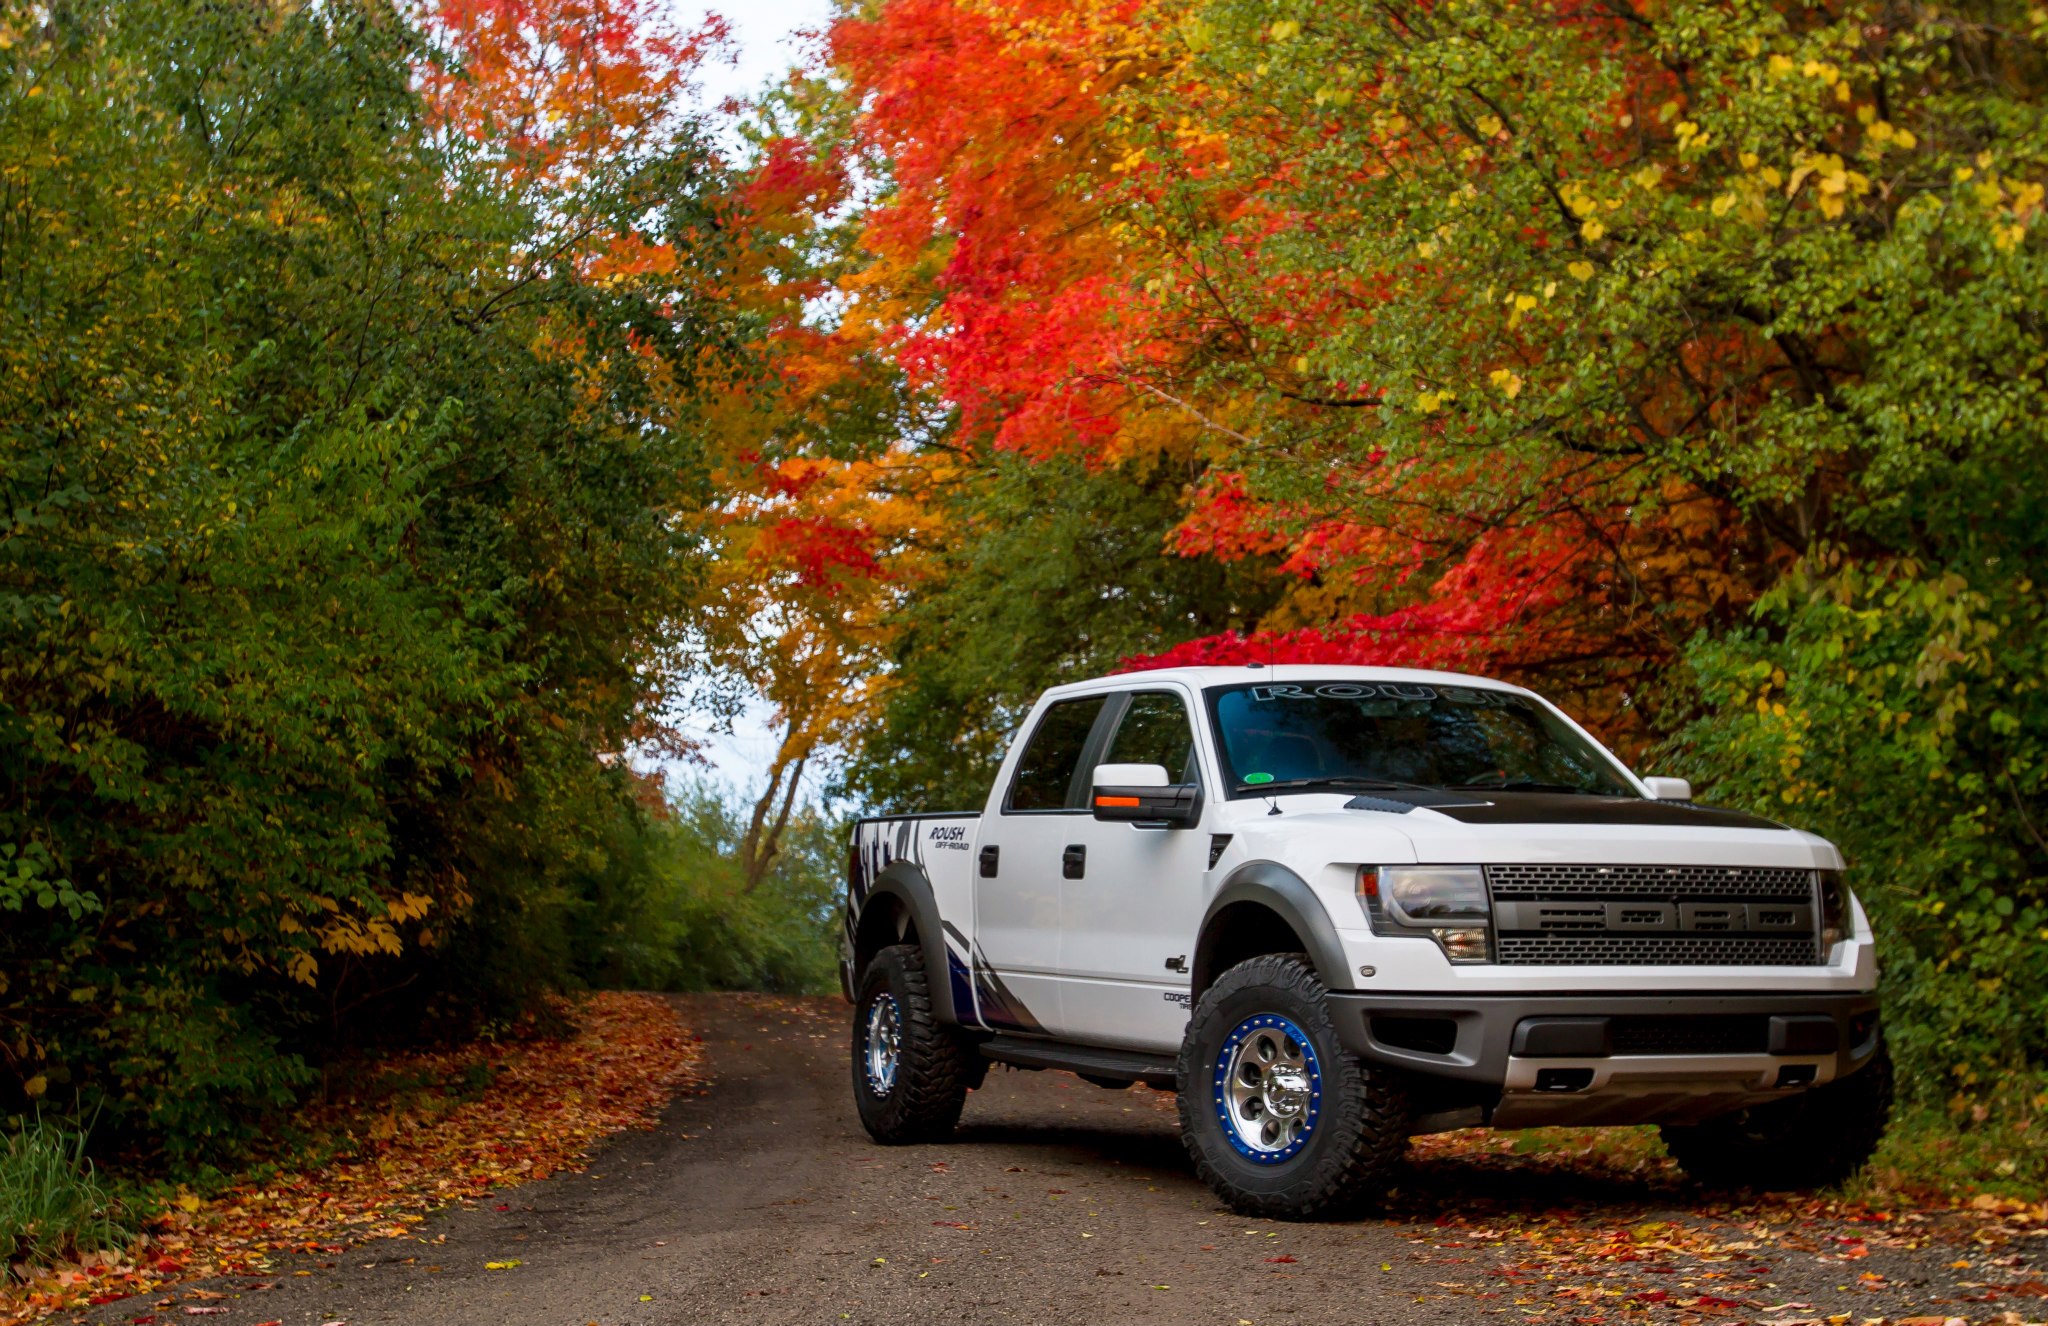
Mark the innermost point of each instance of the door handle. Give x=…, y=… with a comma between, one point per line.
x=1074, y=861
x=990, y=856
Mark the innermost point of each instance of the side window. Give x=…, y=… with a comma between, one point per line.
x=1046, y=771
x=1155, y=730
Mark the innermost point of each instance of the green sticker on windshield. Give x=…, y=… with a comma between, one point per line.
x=1257, y=778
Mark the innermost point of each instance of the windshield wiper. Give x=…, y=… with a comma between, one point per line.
x=1337, y=780
x=1522, y=785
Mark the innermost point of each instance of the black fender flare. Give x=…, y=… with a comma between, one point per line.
x=1288, y=896
x=905, y=881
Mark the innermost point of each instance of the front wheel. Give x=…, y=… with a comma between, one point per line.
x=1279, y=1120
x=1813, y=1140
x=911, y=1072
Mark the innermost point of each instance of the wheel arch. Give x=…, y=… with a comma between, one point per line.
x=1263, y=907
x=901, y=908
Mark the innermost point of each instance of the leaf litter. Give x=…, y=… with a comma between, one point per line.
x=393, y=1160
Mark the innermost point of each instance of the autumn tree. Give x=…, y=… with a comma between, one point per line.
x=1677, y=358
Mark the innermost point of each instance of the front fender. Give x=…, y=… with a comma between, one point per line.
x=1288, y=896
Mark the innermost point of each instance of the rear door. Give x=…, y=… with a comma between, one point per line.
x=1128, y=917
x=1018, y=864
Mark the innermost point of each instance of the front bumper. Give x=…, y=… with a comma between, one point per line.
x=1523, y=1060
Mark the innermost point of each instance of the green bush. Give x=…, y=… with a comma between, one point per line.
x=53, y=1206
x=1901, y=715
x=672, y=910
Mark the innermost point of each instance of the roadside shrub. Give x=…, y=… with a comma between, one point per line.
x=53, y=1206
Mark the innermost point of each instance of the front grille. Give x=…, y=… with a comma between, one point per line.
x=1691, y=1033
x=1654, y=951
x=1694, y=916
x=1749, y=883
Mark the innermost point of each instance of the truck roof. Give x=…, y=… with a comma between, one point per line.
x=1200, y=677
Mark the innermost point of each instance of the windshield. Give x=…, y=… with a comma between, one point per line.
x=1286, y=736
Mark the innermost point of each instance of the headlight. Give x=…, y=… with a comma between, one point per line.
x=1444, y=903
x=1834, y=909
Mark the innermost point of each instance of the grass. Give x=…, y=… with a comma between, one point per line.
x=53, y=1205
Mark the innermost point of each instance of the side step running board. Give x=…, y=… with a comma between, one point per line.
x=1154, y=1070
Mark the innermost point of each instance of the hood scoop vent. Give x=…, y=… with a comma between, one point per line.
x=1387, y=804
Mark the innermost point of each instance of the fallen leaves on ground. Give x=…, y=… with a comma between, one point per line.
x=1598, y=1225
x=397, y=1157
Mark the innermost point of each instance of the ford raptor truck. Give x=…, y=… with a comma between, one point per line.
x=1333, y=907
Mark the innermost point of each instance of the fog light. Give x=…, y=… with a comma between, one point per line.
x=1462, y=945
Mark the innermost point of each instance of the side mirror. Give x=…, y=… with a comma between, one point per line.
x=1669, y=789
x=1143, y=794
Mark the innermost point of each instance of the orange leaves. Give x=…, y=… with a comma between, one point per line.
x=995, y=126
x=549, y=87
x=405, y=1155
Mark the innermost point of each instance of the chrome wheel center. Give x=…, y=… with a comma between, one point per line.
x=884, y=1037
x=1268, y=1088
x=1286, y=1091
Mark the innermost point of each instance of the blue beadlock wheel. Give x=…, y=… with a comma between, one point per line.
x=1268, y=1089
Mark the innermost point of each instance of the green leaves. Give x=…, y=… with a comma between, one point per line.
x=340, y=537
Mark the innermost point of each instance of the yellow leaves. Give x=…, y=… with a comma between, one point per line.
x=506, y=1265
x=1510, y=383
x=1749, y=160
x=1427, y=248
x=1648, y=177
x=1578, y=200
x=1780, y=65
x=1592, y=230
x=1198, y=35
x=1287, y=29
x=303, y=967
x=1581, y=270
x=1429, y=402
x=1837, y=182
x=1489, y=126
x=189, y=1203
x=409, y=907
x=1722, y=205
x=1827, y=73
x=1885, y=134
x=36, y=1086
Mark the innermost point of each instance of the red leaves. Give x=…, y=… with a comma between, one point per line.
x=819, y=549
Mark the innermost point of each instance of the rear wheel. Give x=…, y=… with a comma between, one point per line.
x=1279, y=1120
x=1813, y=1140
x=911, y=1072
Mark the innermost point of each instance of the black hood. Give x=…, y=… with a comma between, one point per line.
x=1507, y=807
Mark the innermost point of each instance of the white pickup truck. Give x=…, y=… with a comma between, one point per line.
x=1334, y=907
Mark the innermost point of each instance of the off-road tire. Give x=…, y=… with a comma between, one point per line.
x=1816, y=1139
x=1355, y=1148
x=935, y=1066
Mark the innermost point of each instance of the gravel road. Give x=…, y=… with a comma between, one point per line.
x=761, y=1201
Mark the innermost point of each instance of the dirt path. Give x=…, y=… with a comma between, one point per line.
x=763, y=1202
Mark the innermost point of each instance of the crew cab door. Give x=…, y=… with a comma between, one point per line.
x=1017, y=867
x=1132, y=908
